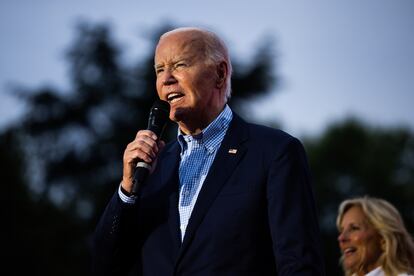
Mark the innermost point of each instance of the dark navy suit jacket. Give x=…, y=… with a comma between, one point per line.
x=255, y=215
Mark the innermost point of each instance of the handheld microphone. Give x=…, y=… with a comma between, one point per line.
x=157, y=121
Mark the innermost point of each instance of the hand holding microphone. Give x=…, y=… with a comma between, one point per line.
x=141, y=153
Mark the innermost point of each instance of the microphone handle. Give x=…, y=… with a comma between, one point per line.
x=141, y=173
x=142, y=169
x=157, y=121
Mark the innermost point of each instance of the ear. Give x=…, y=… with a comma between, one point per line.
x=221, y=71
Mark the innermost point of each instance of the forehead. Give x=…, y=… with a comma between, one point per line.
x=179, y=45
x=354, y=214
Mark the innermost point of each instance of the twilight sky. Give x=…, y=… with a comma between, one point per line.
x=336, y=58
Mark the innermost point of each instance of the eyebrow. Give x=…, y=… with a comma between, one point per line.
x=353, y=224
x=157, y=66
x=185, y=59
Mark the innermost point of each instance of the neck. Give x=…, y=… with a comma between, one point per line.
x=195, y=125
x=189, y=131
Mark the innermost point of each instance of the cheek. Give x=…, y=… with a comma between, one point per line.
x=202, y=80
x=158, y=87
x=373, y=248
x=204, y=89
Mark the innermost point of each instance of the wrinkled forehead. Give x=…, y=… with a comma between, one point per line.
x=181, y=43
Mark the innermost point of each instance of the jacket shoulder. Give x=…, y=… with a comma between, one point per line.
x=272, y=142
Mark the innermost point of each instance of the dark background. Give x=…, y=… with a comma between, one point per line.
x=61, y=161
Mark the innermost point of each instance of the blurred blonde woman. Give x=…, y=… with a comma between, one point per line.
x=373, y=239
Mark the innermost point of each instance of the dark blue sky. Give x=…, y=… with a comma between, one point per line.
x=335, y=58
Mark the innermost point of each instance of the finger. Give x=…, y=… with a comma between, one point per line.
x=139, y=149
x=149, y=147
x=146, y=132
x=142, y=152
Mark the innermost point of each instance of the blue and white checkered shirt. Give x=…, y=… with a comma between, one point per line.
x=197, y=155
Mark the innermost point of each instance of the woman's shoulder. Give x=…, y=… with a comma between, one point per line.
x=379, y=272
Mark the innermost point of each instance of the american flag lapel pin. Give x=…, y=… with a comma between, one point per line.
x=232, y=151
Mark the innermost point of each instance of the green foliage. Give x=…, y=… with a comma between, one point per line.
x=351, y=159
x=73, y=142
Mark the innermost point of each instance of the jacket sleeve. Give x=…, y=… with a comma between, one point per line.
x=292, y=213
x=114, y=243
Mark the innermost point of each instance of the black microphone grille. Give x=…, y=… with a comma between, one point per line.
x=158, y=117
x=162, y=105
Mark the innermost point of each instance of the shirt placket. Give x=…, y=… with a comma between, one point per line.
x=190, y=180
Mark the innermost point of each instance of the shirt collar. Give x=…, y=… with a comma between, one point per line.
x=376, y=272
x=212, y=135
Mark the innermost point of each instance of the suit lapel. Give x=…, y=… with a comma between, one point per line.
x=169, y=174
x=228, y=156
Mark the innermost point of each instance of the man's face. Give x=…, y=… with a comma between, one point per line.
x=187, y=80
x=359, y=242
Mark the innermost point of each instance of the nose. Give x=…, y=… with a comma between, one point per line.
x=168, y=78
x=342, y=237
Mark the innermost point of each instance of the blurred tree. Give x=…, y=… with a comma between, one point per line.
x=74, y=142
x=352, y=159
x=34, y=227
x=63, y=161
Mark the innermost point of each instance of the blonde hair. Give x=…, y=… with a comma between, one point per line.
x=215, y=49
x=398, y=246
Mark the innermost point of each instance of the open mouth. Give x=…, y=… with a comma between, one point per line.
x=174, y=97
x=349, y=251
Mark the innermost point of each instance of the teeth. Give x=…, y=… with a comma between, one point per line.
x=349, y=250
x=173, y=96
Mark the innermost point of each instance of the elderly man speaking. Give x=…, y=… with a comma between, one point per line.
x=226, y=198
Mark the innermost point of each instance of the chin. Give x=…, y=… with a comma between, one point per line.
x=349, y=264
x=180, y=114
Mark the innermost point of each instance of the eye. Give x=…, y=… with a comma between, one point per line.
x=349, y=229
x=180, y=64
x=159, y=70
x=353, y=228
